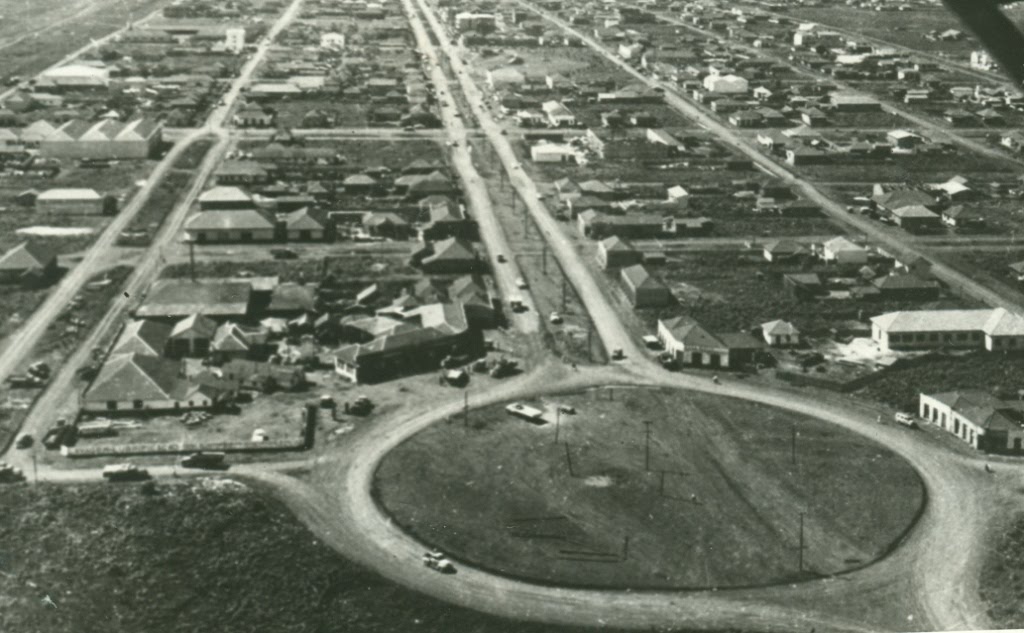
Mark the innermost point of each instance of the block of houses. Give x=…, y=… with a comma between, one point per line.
x=643, y=289
x=992, y=330
x=781, y=334
x=690, y=343
x=979, y=418
x=71, y=201
x=138, y=383
x=615, y=252
x=28, y=262
x=439, y=330
x=230, y=226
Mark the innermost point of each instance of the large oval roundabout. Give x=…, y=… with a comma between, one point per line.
x=650, y=488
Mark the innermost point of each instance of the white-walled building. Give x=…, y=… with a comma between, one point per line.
x=234, y=40
x=993, y=330
x=726, y=84
x=978, y=418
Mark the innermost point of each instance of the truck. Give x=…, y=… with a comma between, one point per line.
x=203, y=459
x=124, y=472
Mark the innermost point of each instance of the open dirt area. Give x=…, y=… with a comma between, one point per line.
x=717, y=501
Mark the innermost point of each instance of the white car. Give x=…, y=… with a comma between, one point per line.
x=435, y=560
x=521, y=283
x=555, y=318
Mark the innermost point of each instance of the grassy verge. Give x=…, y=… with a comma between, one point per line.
x=195, y=556
x=715, y=504
x=1002, y=578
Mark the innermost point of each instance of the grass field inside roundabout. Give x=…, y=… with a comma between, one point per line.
x=710, y=493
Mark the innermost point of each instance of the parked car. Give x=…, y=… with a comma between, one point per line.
x=906, y=419
x=25, y=441
x=436, y=561
x=204, y=460
x=501, y=258
x=283, y=253
x=521, y=283
x=124, y=472
x=555, y=318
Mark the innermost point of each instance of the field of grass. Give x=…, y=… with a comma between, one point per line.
x=996, y=373
x=586, y=511
x=1002, y=582
x=197, y=556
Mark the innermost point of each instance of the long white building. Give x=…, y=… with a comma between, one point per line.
x=992, y=330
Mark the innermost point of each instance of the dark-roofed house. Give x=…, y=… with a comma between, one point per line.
x=644, y=289
x=141, y=336
x=978, y=418
x=291, y=300
x=241, y=172
x=134, y=383
x=28, y=262
x=899, y=198
x=447, y=219
x=477, y=296
x=175, y=299
x=303, y=225
x=387, y=225
x=906, y=287
x=781, y=251
x=690, y=343
x=232, y=341
x=248, y=225
x=443, y=330
x=450, y=256
x=615, y=252
x=917, y=218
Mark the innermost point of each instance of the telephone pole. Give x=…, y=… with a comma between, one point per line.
x=568, y=459
x=647, y=450
x=544, y=258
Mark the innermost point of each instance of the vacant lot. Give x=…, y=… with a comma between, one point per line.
x=996, y=373
x=586, y=511
x=1002, y=584
x=205, y=555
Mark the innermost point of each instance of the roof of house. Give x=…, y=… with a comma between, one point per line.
x=127, y=377
x=690, y=333
x=70, y=194
x=451, y=249
x=904, y=282
x=893, y=200
x=616, y=244
x=996, y=322
x=914, y=211
x=984, y=409
x=229, y=220
x=293, y=297
x=194, y=326
x=302, y=219
x=183, y=297
x=783, y=247
x=142, y=336
x=840, y=244
x=26, y=256
x=224, y=194
x=779, y=328
x=638, y=277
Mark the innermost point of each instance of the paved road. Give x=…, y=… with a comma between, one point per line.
x=892, y=243
x=505, y=273
x=576, y=271
x=59, y=398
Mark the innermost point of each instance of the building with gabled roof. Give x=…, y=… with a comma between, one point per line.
x=979, y=418
x=688, y=342
x=989, y=329
x=27, y=261
x=644, y=289
x=615, y=252
x=304, y=225
x=145, y=337
x=175, y=299
x=230, y=225
x=191, y=337
x=221, y=198
x=780, y=333
x=138, y=383
x=449, y=256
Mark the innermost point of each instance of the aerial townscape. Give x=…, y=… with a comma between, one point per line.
x=540, y=316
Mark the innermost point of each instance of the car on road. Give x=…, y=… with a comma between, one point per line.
x=618, y=354
x=25, y=441
x=124, y=472
x=906, y=419
x=555, y=318
x=283, y=253
x=10, y=474
x=205, y=460
x=521, y=283
x=435, y=560
x=501, y=258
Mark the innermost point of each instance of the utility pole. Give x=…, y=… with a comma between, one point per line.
x=647, y=450
x=568, y=459
x=544, y=258
x=801, y=548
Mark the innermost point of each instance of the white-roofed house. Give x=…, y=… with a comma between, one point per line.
x=71, y=201
x=780, y=333
x=990, y=329
x=840, y=250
